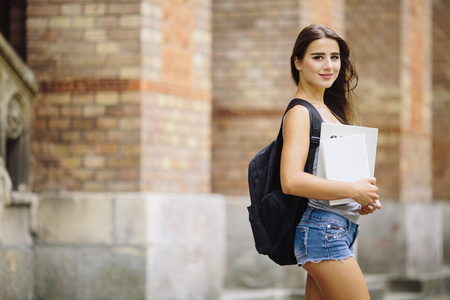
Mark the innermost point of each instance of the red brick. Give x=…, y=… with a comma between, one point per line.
x=94, y=162
x=79, y=149
x=42, y=10
x=59, y=124
x=106, y=175
x=82, y=124
x=72, y=136
x=122, y=162
x=123, y=8
x=74, y=112
x=70, y=9
x=94, y=136
x=106, y=148
x=107, y=123
x=130, y=150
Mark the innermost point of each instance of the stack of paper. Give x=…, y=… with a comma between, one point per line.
x=347, y=153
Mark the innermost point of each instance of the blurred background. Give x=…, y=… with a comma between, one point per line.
x=127, y=126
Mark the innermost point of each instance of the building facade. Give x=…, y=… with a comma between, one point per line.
x=142, y=116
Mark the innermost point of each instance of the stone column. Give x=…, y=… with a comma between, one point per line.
x=441, y=109
x=441, y=99
x=415, y=101
x=125, y=107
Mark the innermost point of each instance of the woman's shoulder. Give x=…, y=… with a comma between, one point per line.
x=297, y=118
x=298, y=112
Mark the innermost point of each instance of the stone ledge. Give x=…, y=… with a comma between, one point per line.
x=427, y=285
x=16, y=63
x=21, y=198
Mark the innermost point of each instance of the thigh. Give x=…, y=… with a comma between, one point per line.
x=338, y=279
x=312, y=291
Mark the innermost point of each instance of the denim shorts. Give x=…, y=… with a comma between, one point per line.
x=323, y=235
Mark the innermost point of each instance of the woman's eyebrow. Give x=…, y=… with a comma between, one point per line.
x=323, y=53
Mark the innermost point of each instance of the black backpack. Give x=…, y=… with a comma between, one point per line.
x=274, y=215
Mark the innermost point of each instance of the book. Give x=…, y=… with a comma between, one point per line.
x=345, y=159
x=331, y=131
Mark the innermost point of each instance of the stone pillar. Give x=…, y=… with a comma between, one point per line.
x=125, y=107
x=392, y=44
x=441, y=108
x=415, y=101
x=441, y=100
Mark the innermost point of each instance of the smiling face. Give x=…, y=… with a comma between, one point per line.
x=320, y=65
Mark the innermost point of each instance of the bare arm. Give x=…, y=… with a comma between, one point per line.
x=295, y=181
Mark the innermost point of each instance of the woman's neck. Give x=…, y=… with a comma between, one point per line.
x=310, y=96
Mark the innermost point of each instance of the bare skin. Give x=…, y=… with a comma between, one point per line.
x=327, y=280
x=335, y=280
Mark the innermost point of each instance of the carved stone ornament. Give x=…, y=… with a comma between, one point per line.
x=5, y=185
x=15, y=120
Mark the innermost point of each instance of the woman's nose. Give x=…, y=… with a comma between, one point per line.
x=327, y=64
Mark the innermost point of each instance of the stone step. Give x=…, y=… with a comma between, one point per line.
x=381, y=287
x=376, y=284
x=430, y=286
x=402, y=296
x=263, y=294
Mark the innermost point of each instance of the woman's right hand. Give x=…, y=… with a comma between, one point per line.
x=366, y=191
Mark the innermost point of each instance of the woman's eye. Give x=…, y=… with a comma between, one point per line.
x=317, y=57
x=335, y=57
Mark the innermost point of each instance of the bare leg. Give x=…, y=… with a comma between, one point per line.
x=337, y=280
x=312, y=291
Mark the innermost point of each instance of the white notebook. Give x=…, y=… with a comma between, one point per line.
x=329, y=130
x=333, y=131
x=345, y=159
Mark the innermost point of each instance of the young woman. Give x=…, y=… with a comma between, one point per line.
x=325, y=77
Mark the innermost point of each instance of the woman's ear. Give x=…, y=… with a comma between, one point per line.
x=297, y=64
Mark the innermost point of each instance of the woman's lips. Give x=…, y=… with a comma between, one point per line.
x=326, y=76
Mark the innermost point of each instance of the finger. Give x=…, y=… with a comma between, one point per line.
x=377, y=204
x=376, y=197
x=361, y=212
x=367, y=209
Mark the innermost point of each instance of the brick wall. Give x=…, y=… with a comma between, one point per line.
x=415, y=117
x=329, y=12
x=251, y=75
x=252, y=85
x=105, y=65
x=125, y=95
x=441, y=99
x=376, y=46
x=391, y=45
x=393, y=93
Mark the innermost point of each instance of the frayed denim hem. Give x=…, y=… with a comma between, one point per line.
x=321, y=260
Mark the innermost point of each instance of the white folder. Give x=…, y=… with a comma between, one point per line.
x=345, y=159
x=363, y=146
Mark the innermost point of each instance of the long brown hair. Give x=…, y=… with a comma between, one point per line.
x=337, y=97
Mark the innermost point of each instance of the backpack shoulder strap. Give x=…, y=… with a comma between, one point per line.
x=315, y=124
